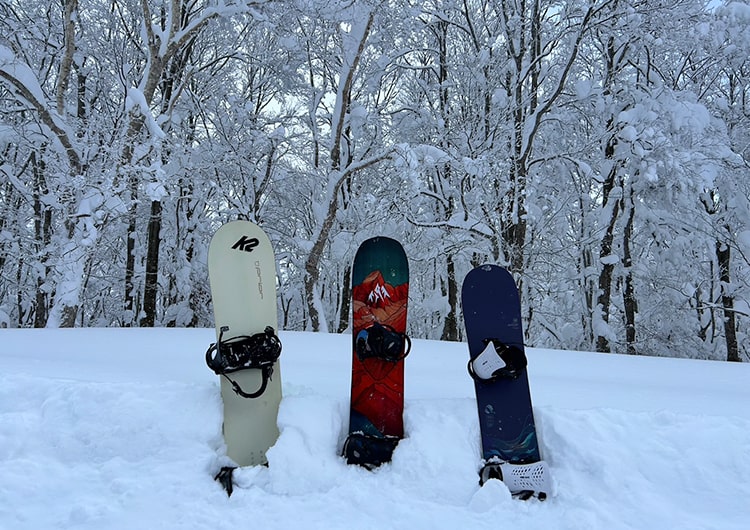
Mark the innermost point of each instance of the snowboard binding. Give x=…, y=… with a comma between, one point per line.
x=381, y=341
x=259, y=351
x=224, y=477
x=523, y=480
x=369, y=451
x=500, y=361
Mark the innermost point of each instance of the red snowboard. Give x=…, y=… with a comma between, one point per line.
x=380, y=290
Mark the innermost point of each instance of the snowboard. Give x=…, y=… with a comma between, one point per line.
x=242, y=275
x=492, y=318
x=380, y=290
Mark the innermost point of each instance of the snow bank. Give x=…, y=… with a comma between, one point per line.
x=121, y=429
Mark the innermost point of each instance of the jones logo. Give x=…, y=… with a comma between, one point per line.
x=246, y=243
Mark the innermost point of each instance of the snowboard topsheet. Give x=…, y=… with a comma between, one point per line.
x=242, y=273
x=380, y=289
x=492, y=310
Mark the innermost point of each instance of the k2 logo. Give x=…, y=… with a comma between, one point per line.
x=246, y=244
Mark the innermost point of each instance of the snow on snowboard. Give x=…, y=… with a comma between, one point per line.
x=242, y=274
x=380, y=292
x=492, y=317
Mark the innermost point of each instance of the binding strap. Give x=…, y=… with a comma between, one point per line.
x=259, y=351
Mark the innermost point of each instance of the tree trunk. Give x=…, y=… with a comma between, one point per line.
x=43, y=236
x=71, y=272
x=68, y=316
x=606, y=275
x=151, y=288
x=629, y=301
x=312, y=264
x=723, y=257
x=450, y=326
x=130, y=306
x=346, y=300
x=612, y=181
x=66, y=62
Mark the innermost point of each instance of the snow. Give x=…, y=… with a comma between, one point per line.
x=121, y=429
x=136, y=99
x=744, y=240
x=15, y=69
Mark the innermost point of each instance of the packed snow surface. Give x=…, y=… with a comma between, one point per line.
x=121, y=429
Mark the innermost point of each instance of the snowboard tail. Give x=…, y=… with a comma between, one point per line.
x=380, y=288
x=492, y=317
x=242, y=274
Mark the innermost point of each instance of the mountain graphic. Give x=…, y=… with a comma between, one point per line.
x=376, y=292
x=377, y=300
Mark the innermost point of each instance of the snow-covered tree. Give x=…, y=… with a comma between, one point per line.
x=598, y=149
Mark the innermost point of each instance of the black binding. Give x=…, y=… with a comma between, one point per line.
x=381, y=341
x=369, y=451
x=259, y=351
x=224, y=477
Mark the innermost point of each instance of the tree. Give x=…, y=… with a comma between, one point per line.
x=597, y=149
x=343, y=119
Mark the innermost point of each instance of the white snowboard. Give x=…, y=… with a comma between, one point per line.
x=242, y=273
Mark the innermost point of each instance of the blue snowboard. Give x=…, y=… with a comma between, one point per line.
x=492, y=310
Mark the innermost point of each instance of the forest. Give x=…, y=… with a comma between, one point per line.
x=598, y=149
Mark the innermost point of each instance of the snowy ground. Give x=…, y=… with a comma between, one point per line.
x=120, y=429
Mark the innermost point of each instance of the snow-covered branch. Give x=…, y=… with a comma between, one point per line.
x=22, y=82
